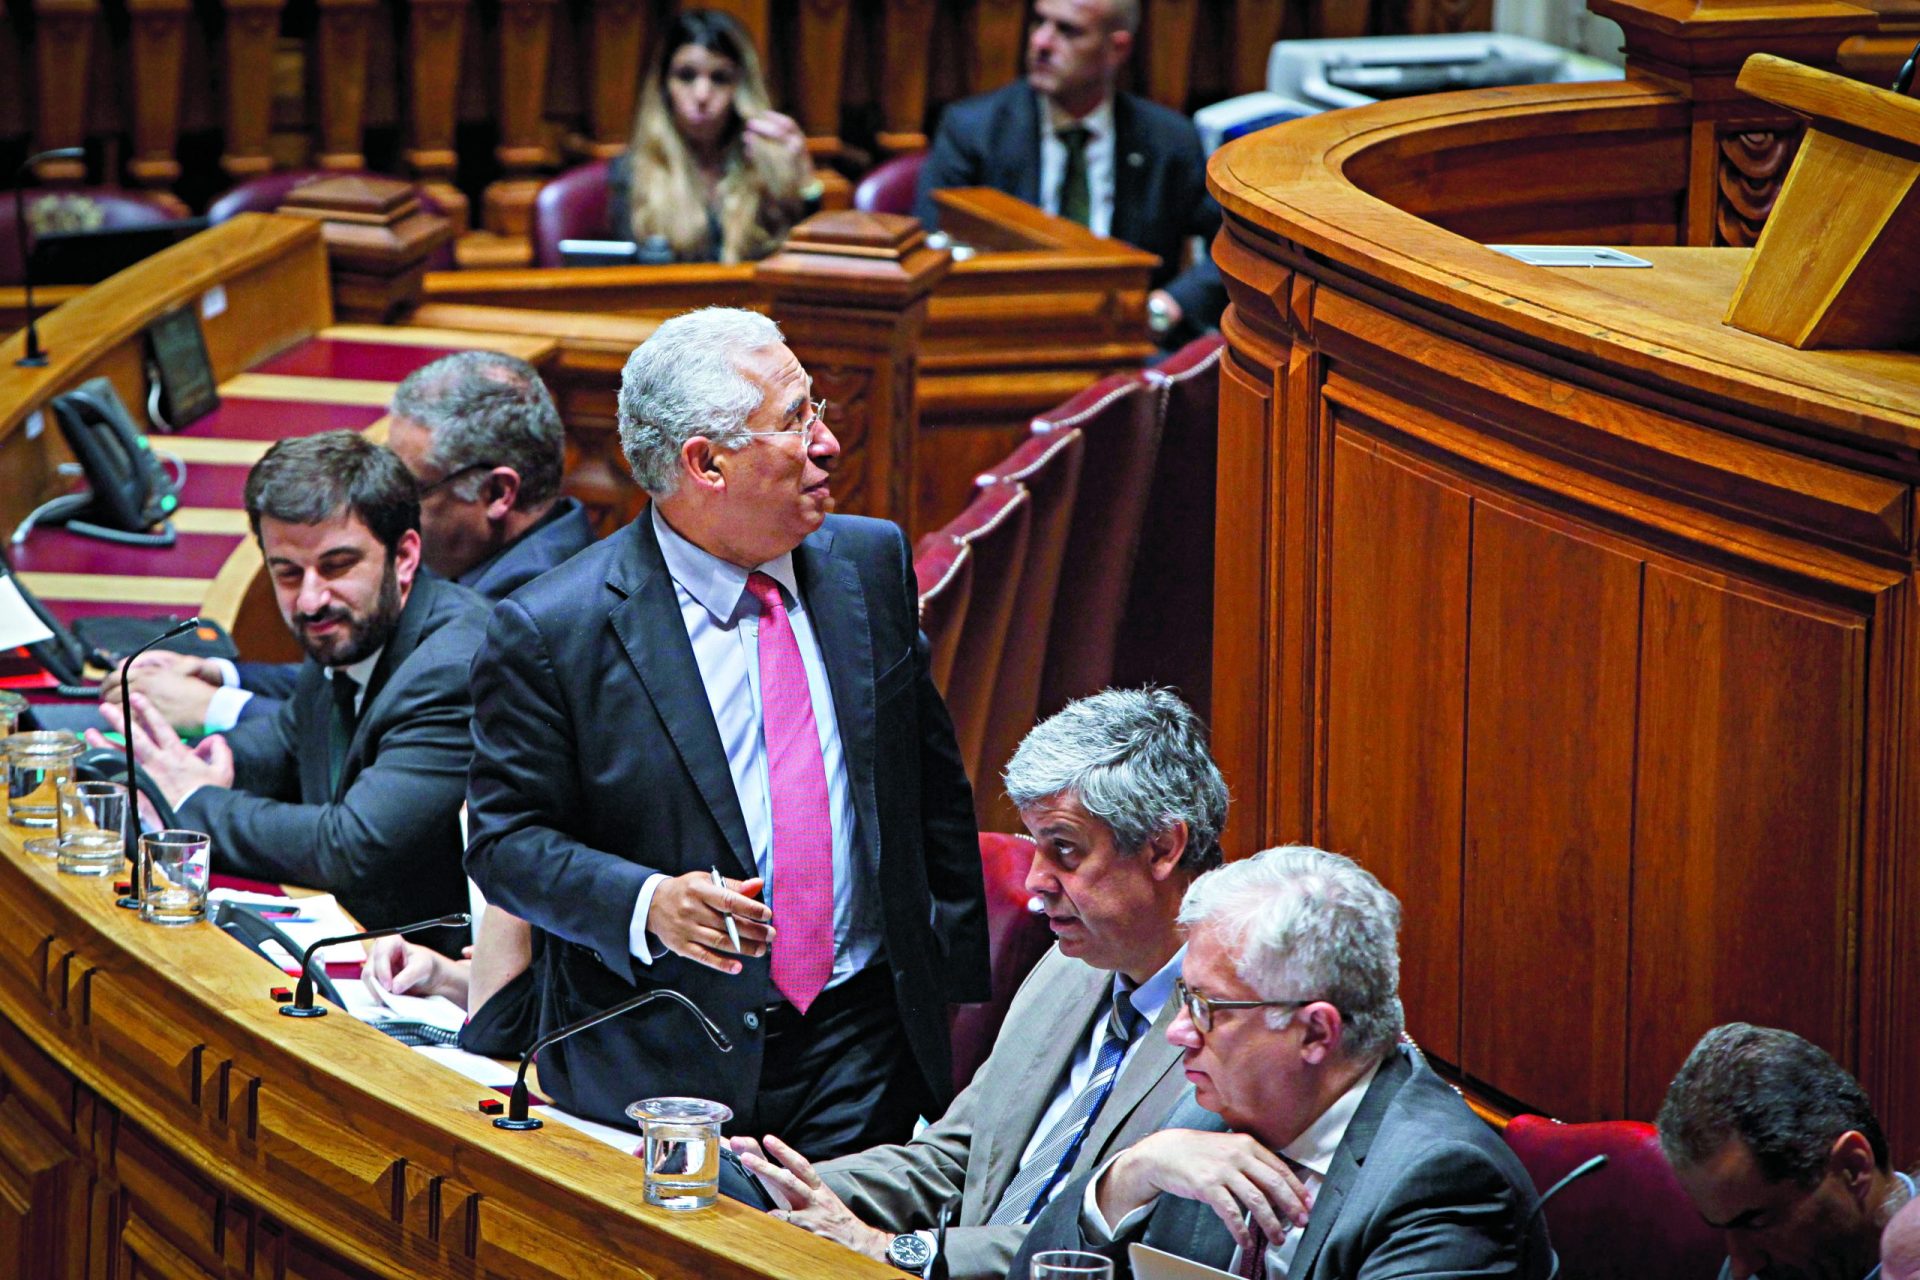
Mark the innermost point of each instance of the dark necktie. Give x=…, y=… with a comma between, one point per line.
x=340, y=726
x=1253, y=1260
x=1076, y=196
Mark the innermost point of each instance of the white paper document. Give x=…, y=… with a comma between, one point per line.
x=18, y=624
x=1154, y=1264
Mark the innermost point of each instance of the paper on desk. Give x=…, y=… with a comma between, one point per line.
x=436, y=1011
x=19, y=624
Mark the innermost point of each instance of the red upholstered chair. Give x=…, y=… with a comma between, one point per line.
x=1048, y=466
x=571, y=207
x=269, y=191
x=1016, y=939
x=1629, y=1220
x=995, y=528
x=889, y=187
x=79, y=209
x=1120, y=417
x=1166, y=634
x=943, y=572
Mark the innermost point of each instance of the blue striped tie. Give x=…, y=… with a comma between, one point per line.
x=1033, y=1185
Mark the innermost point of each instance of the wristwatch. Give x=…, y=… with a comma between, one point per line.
x=910, y=1253
x=1159, y=316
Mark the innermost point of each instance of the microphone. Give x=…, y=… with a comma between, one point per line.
x=517, y=1117
x=1036, y=906
x=1579, y=1171
x=131, y=901
x=303, y=1005
x=36, y=357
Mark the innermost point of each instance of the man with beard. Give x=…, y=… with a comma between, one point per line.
x=1779, y=1148
x=355, y=784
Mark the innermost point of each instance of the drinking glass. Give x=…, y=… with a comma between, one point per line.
x=38, y=763
x=174, y=882
x=682, y=1150
x=93, y=827
x=1070, y=1264
x=12, y=705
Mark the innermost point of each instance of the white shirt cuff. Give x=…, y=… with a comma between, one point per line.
x=229, y=674
x=223, y=709
x=1093, y=1224
x=637, y=931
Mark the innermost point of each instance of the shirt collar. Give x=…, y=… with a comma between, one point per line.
x=1152, y=995
x=1097, y=122
x=717, y=585
x=361, y=671
x=1315, y=1147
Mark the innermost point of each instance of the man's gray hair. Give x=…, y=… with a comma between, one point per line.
x=1306, y=924
x=1137, y=760
x=487, y=409
x=686, y=381
x=1123, y=15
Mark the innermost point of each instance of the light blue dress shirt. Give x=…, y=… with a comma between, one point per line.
x=723, y=625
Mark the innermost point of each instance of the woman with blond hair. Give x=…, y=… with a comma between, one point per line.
x=712, y=168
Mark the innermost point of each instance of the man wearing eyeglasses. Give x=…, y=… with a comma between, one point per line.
x=1343, y=1153
x=709, y=756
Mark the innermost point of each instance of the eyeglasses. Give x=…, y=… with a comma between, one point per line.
x=451, y=476
x=1200, y=1009
x=816, y=414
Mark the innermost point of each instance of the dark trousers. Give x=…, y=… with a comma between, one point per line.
x=841, y=1078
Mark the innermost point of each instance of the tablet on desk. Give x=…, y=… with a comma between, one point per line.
x=1157, y=1264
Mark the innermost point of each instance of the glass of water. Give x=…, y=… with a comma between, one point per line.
x=93, y=826
x=12, y=707
x=174, y=882
x=1070, y=1264
x=682, y=1150
x=38, y=763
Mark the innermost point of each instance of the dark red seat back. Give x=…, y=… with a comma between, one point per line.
x=995, y=527
x=1016, y=939
x=889, y=187
x=79, y=209
x=571, y=207
x=269, y=191
x=1629, y=1220
x=1120, y=417
x=943, y=575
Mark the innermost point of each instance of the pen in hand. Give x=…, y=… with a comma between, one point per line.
x=733, y=930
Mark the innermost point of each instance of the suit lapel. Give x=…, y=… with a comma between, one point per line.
x=648, y=624
x=1352, y=1153
x=406, y=638
x=312, y=705
x=1022, y=148
x=1129, y=169
x=1143, y=1071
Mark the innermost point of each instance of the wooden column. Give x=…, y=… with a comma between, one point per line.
x=436, y=30
x=158, y=43
x=526, y=41
x=378, y=241
x=618, y=41
x=850, y=290
x=906, y=43
x=62, y=46
x=1256, y=25
x=252, y=27
x=994, y=58
x=1166, y=50
x=819, y=64
x=340, y=74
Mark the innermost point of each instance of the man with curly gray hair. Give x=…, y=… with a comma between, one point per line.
x=1343, y=1153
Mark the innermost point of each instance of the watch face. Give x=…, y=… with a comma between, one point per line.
x=909, y=1253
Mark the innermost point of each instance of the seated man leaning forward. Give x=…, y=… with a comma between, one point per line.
x=355, y=785
x=1125, y=806
x=1779, y=1148
x=1345, y=1154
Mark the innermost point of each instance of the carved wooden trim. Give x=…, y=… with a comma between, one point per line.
x=252, y=27
x=158, y=44
x=1751, y=165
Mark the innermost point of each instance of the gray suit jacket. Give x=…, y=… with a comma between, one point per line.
x=974, y=1149
x=1420, y=1186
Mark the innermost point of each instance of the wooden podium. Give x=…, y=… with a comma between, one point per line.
x=1839, y=262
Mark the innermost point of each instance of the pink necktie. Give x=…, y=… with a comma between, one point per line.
x=802, y=823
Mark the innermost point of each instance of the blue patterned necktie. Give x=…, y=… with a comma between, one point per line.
x=1032, y=1186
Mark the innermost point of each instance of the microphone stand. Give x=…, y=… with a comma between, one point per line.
x=36, y=357
x=303, y=1005
x=517, y=1117
x=131, y=901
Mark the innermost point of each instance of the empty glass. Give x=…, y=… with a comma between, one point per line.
x=682, y=1150
x=1070, y=1264
x=11, y=707
x=174, y=881
x=93, y=826
x=38, y=763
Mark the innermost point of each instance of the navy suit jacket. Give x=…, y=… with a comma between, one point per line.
x=1159, y=180
x=597, y=764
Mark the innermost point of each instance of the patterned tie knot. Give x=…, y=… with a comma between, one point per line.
x=1075, y=137
x=764, y=589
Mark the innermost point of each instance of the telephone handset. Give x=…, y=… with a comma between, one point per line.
x=129, y=489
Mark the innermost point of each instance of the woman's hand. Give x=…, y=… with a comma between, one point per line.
x=782, y=133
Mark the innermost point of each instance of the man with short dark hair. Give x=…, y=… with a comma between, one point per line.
x=1778, y=1147
x=355, y=784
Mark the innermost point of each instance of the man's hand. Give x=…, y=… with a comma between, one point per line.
x=179, y=685
x=408, y=969
x=689, y=917
x=177, y=769
x=1230, y=1173
x=161, y=662
x=808, y=1202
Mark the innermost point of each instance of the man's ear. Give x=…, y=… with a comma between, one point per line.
x=700, y=465
x=1851, y=1157
x=1119, y=46
x=1165, y=849
x=406, y=558
x=1324, y=1031
x=501, y=492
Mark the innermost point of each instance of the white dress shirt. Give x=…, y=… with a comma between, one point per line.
x=723, y=625
x=1100, y=148
x=223, y=709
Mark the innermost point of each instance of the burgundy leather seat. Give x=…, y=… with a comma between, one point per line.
x=1016, y=939
x=1120, y=417
x=1166, y=634
x=1629, y=1220
x=79, y=209
x=889, y=187
x=943, y=574
x=1049, y=468
x=269, y=191
x=571, y=207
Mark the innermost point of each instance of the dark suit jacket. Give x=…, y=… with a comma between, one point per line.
x=597, y=763
x=1159, y=180
x=387, y=841
x=1420, y=1186
x=562, y=532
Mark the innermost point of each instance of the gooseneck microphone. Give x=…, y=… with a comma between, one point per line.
x=303, y=1005
x=131, y=901
x=36, y=357
x=517, y=1117
x=1579, y=1171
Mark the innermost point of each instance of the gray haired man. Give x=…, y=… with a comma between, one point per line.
x=1126, y=807
x=1344, y=1154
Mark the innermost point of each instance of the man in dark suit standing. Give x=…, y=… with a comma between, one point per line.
x=1344, y=1155
x=733, y=683
x=1065, y=140
x=355, y=784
